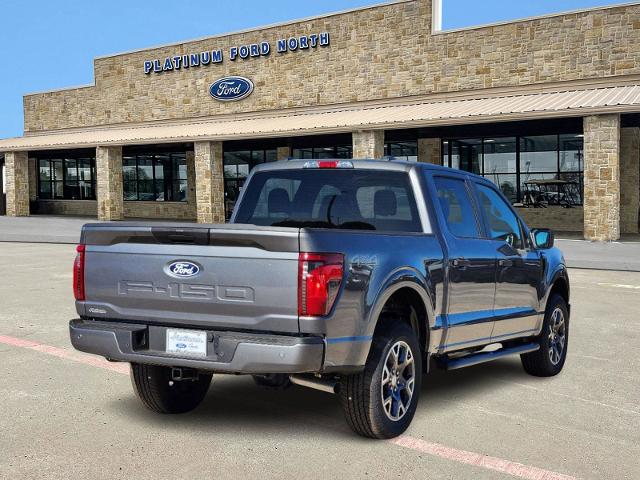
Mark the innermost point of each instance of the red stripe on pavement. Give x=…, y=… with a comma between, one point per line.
x=478, y=460
x=99, y=362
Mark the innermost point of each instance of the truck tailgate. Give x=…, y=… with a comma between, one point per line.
x=225, y=277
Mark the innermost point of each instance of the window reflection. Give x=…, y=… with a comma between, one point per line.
x=237, y=165
x=327, y=152
x=66, y=178
x=152, y=177
x=402, y=150
x=531, y=171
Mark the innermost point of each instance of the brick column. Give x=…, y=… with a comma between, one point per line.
x=17, y=171
x=430, y=150
x=368, y=144
x=602, y=177
x=209, y=182
x=283, y=153
x=629, y=179
x=109, y=183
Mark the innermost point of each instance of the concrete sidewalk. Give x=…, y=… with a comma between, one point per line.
x=624, y=255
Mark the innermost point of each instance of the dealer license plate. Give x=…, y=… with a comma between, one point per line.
x=191, y=343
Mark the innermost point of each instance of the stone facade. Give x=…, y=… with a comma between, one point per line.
x=209, y=182
x=161, y=210
x=376, y=53
x=282, y=153
x=109, y=183
x=556, y=218
x=78, y=208
x=368, y=144
x=430, y=150
x=602, y=177
x=629, y=179
x=17, y=173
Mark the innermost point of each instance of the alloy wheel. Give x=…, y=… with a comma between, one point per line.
x=557, y=336
x=398, y=381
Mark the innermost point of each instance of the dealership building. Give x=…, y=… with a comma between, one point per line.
x=548, y=108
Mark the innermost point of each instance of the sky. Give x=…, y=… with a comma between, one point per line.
x=47, y=44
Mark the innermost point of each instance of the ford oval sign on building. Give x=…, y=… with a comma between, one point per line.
x=231, y=89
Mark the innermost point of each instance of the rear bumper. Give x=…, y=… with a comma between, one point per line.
x=227, y=352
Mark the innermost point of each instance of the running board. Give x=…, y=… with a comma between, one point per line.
x=476, y=358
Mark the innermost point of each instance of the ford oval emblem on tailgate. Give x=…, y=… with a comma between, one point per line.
x=184, y=269
x=229, y=89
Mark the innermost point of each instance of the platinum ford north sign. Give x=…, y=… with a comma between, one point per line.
x=243, y=52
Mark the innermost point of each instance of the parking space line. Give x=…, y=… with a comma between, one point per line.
x=460, y=456
x=478, y=460
x=93, y=361
x=619, y=285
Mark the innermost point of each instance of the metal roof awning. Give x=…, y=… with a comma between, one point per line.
x=441, y=112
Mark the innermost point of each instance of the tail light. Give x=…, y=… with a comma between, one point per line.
x=319, y=279
x=78, y=274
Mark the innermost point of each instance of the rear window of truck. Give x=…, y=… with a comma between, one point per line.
x=332, y=198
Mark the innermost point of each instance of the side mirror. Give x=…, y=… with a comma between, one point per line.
x=542, y=238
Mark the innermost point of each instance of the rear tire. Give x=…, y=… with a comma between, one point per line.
x=273, y=381
x=554, y=340
x=158, y=392
x=380, y=402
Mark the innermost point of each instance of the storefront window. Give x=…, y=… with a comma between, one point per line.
x=155, y=177
x=402, y=150
x=530, y=170
x=237, y=165
x=66, y=178
x=319, y=153
x=466, y=154
x=539, y=154
x=500, y=165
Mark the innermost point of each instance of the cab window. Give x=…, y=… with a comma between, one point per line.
x=502, y=223
x=456, y=207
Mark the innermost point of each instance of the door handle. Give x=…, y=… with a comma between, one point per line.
x=460, y=263
x=503, y=262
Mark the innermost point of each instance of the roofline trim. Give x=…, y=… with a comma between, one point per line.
x=535, y=17
x=439, y=122
x=61, y=89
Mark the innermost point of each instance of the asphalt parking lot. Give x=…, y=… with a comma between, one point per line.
x=68, y=415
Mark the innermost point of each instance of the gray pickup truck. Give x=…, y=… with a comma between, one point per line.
x=351, y=277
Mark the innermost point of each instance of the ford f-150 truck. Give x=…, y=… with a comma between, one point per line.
x=351, y=277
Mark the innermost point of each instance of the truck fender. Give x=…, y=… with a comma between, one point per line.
x=405, y=277
x=561, y=274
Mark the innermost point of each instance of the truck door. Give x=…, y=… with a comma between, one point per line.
x=519, y=267
x=471, y=266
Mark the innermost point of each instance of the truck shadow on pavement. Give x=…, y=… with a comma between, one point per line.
x=236, y=405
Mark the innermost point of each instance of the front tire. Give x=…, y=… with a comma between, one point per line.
x=380, y=402
x=158, y=392
x=554, y=340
